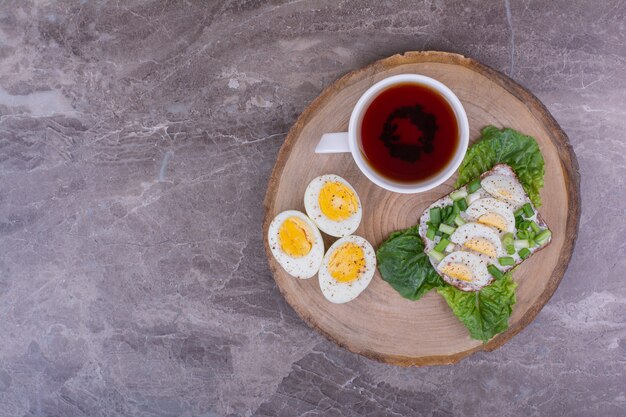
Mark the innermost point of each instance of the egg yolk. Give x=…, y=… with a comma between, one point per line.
x=458, y=271
x=493, y=220
x=505, y=193
x=337, y=201
x=347, y=262
x=295, y=237
x=481, y=245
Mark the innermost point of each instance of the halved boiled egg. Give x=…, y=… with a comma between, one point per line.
x=478, y=238
x=466, y=271
x=492, y=212
x=347, y=269
x=504, y=187
x=296, y=244
x=333, y=205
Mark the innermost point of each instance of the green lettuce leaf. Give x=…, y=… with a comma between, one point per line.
x=485, y=313
x=404, y=265
x=509, y=147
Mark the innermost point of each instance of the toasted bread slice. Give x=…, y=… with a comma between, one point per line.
x=493, y=205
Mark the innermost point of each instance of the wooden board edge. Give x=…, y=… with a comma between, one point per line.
x=558, y=137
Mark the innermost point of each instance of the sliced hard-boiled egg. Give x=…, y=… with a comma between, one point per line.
x=347, y=269
x=333, y=205
x=296, y=243
x=504, y=187
x=466, y=271
x=478, y=238
x=492, y=212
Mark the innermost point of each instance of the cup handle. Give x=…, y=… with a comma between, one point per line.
x=333, y=143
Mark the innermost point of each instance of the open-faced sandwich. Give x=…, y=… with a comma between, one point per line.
x=482, y=230
x=468, y=242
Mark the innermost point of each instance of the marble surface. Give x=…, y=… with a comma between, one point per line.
x=136, y=140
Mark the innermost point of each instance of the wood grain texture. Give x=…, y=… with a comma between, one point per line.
x=380, y=324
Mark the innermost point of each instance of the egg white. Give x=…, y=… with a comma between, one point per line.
x=311, y=204
x=342, y=292
x=303, y=267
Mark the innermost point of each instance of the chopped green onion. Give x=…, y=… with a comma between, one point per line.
x=461, y=204
x=519, y=244
x=524, y=253
x=435, y=215
x=441, y=246
x=432, y=232
x=473, y=186
x=458, y=194
x=518, y=212
x=437, y=255
x=444, y=235
x=506, y=261
x=459, y=221
x=535, y=227
x=532, y=242
x=444, y=228
x=543, y=237
x=438, y=233
x=494, y=271
x=447, y=215
x=522, y=234
x=528, y=210
x=507, y=240
x=524, y=225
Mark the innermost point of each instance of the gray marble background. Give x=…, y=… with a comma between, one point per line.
x=136, y=140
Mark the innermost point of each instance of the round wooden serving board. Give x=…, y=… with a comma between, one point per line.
x=380, y=324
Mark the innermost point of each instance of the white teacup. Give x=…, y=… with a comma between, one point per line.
x=350, y=141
